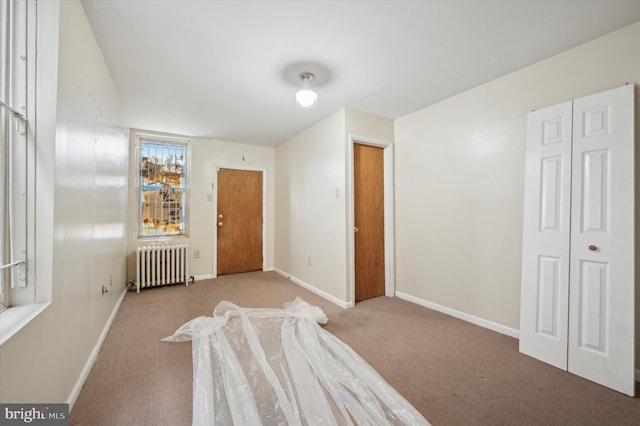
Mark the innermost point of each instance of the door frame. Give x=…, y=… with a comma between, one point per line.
x=389, y=228
x=214, y=221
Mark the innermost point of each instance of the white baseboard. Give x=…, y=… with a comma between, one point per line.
x=211, y=276
x=94, y=354
x=313, y=289
x=461, y=315
x=203, y=277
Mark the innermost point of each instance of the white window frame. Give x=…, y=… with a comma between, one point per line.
x=27, y=299
x=173, y=140
x=17, y=139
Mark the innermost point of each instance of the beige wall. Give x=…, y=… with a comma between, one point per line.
x=312, y=201
x=205, y=155
x=363, y=124
x=310, y=218
x=460, y=174
x=45, y=361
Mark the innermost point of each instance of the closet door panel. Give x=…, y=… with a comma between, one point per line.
x=601, y=288
x=595, y=192
x=545, y=257
x=593, y=291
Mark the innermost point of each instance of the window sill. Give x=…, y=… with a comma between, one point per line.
x=14, y=318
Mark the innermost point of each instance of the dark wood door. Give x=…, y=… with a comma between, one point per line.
x=368, y=166
x=239, y=221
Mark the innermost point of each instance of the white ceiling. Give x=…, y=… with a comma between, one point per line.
x=226, y=70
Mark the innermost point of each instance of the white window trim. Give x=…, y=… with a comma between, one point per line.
x=28, y=303
x=16, y=317
x=18, y=99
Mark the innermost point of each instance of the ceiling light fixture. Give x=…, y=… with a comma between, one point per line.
x=306, y=97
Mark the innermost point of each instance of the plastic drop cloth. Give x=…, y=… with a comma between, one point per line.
x=279, y=367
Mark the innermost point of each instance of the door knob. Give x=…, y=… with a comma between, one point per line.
x=355, y=229
x=220, y=224
x=220, y=216
x=592, y=247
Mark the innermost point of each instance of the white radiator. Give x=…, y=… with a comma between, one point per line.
x=162, y=264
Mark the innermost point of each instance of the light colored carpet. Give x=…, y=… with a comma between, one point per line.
x=453, y=372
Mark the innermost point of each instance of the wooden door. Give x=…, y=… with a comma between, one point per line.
x=546, y=235
x=368, y=166
x=601, y=285
x=239, y=221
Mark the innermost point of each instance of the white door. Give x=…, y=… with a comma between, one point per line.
x=601, y=295
x=545, y=257
x=577, y=295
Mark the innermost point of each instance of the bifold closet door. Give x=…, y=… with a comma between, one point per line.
x=601, y=290
x=546, y=235
x=577, y=297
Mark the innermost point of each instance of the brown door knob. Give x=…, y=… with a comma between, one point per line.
x=593, y=248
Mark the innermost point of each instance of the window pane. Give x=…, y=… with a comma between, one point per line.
x=3, y=205
x=4, y=148
x=13, y=155
x=163, y=181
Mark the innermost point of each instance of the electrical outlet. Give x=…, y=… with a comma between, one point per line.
x=196, y=254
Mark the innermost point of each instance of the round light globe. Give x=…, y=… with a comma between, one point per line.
x=306, y=98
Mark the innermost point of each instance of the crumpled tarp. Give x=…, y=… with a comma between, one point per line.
x=279, y=367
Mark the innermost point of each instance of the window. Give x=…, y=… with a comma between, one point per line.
x=163, y=186
x=15, y=136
